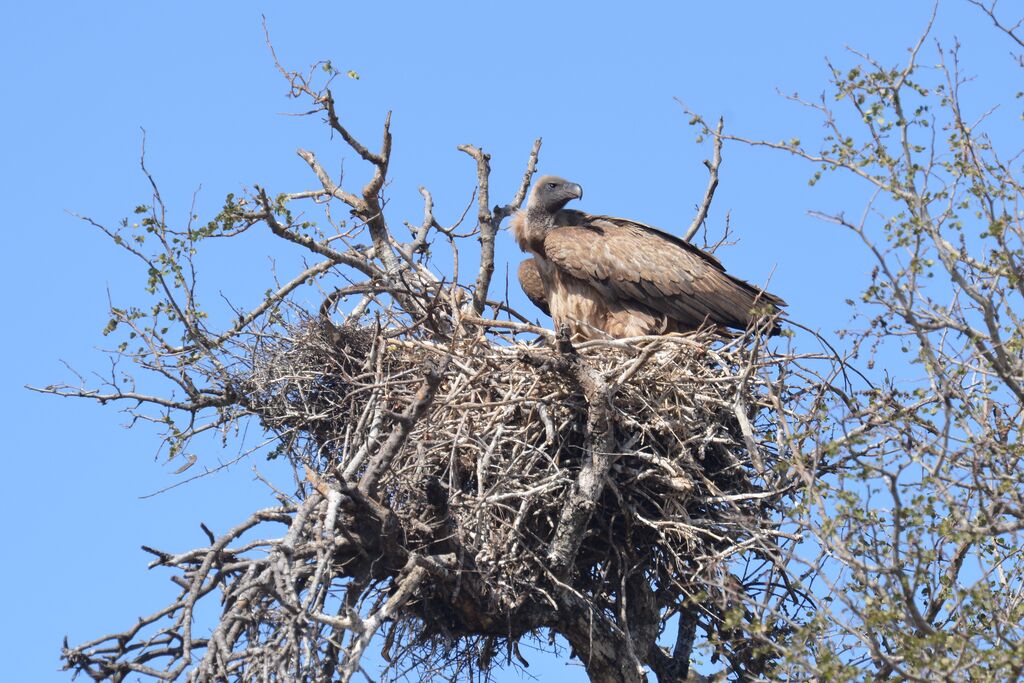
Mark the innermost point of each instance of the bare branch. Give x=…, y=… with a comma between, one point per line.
x=489, y=222
x=503, y=212
x=709, y=193
x=487, y=225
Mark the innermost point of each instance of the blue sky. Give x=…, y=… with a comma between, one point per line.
x=596, y=80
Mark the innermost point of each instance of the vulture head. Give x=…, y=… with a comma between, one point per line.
x=551, y=193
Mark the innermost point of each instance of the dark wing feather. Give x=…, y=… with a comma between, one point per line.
x=628, y=260
x=533, y=285
x=568, y=217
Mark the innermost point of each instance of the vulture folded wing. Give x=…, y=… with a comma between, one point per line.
x=627, y=260
x=533, y=285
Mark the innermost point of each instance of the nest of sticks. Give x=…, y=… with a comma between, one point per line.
x=477, y=450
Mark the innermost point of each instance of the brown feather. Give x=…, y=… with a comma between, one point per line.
x=623, y=259
x=533, y=285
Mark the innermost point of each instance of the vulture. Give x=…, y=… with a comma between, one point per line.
x=612, y=277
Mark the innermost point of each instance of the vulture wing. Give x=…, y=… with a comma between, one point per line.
x=533, y=286
x=627, y=260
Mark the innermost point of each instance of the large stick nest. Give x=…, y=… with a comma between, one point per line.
x=487, y=469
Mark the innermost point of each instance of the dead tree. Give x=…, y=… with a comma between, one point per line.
x=465, y=479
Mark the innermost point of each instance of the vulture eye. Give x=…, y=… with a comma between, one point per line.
x=552, y=186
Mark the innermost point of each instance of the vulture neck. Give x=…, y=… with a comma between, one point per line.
x=540, y=219
x=539, y=222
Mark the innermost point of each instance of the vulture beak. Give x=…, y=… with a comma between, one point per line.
x=577, y=190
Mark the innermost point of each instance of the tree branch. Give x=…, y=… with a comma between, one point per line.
x=709, y=193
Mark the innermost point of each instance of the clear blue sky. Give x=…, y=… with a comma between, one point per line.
x=596, y=80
